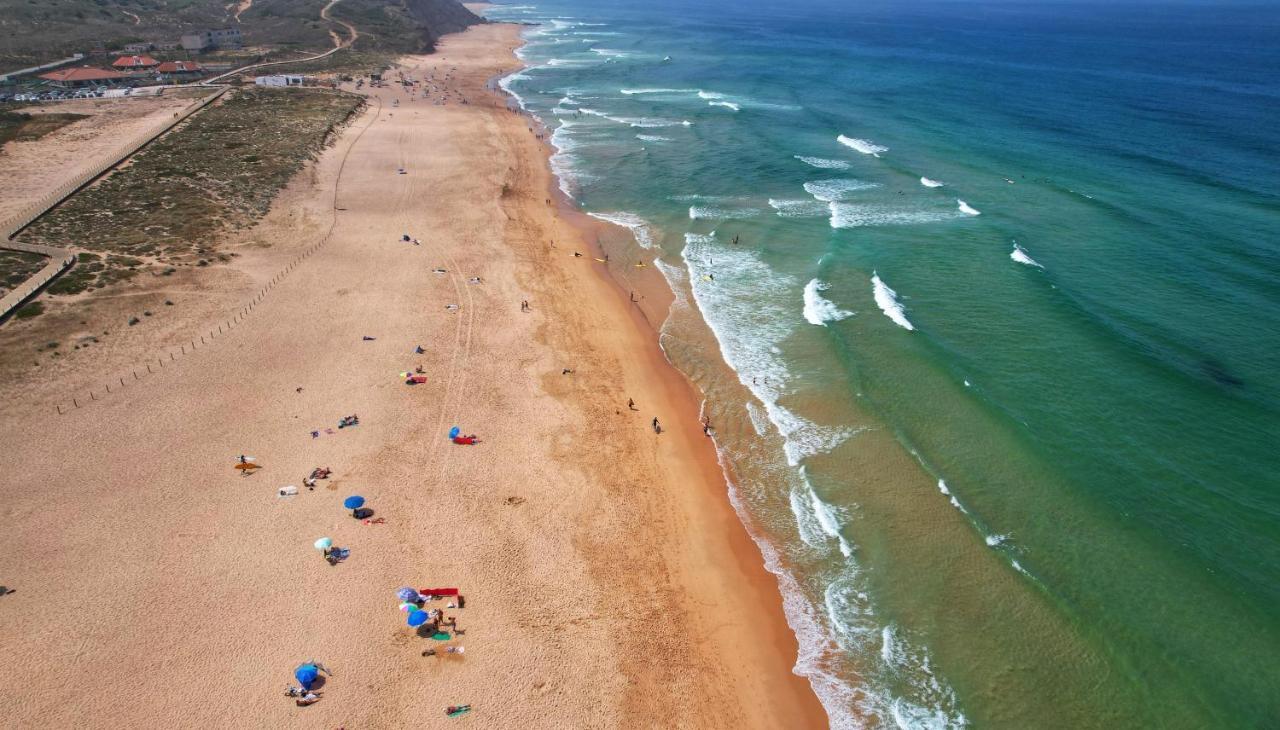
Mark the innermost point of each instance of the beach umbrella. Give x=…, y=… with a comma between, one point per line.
x=306, y=674
x=407, y=594
x=453, y=432
x=418, y=618
x=353, y=502
x=408, y=607
x=324, y=543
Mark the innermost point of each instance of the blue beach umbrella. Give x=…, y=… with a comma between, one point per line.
x=418, y=618
x=353, y=502
x=407, y=594
x=453, y=432
x=306, y=674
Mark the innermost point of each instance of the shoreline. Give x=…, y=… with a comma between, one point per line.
x=712, y=504
x=608, y=578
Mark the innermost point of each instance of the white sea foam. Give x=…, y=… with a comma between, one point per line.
x=726, y=104
x=931, y=183
x=609, y=52
x=564, y=164
x=639, y=227
x=630, y=92
x=996, y=540
x=746, y=307
x=942, y=487
x=1020, y=255
x=865, y=146
x=652, y=138
x=824, y=163
x=570, y=62
x=638, y=122
x=887, y=300
x=819, y=310
x=759, y=418
x=700, y=213
x=798, y=208
x=807, y=524
x=829, y=520
x=966, y=208
x=855, y=215
x=829, y=191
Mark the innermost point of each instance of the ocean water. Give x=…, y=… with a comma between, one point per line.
x=984, y=298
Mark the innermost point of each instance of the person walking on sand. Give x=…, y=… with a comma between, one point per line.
x=631, y=404
x=706, y=426
x=657, y=427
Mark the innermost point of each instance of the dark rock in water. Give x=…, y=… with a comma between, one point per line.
x=1220, y=375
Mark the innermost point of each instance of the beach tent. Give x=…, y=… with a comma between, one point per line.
x=306, y=674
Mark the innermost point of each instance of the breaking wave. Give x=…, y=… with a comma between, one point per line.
x=865, y=146
x=931, y=183
x=829, y=191
x=851, y=215
x=966, y=208
x=887, y=300
x=705, y=213
x=823, y=163
x=639, y=227
x=798, y=208
x=1020, y=255
x=819, y=310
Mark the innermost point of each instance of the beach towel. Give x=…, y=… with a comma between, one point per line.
x=438, y=591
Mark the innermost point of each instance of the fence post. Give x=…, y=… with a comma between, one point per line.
x=75, y=402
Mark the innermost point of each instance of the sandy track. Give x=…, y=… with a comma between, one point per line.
x=156, y=588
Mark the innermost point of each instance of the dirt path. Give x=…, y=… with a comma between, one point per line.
x=243, y=6
x=351, y=29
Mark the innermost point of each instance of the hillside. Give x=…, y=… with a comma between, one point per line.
x=36, y=31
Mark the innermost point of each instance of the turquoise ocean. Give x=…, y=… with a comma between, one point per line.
x=984, y=300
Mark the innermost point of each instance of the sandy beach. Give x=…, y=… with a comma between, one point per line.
x=608, y=582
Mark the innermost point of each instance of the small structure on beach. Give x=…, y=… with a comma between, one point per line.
x=279, y=80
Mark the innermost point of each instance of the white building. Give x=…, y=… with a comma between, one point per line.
x=280, y=80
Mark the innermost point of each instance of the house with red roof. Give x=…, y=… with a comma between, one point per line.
x=179, y=67
x=82, y=76
x=135, y=63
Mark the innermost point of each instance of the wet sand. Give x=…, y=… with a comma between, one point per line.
x=608, y=582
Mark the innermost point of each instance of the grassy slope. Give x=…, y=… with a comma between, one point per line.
x=18, y=126
x=35, y=31
x=170, y=206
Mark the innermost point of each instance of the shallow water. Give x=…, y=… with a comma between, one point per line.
x=1001, y=327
